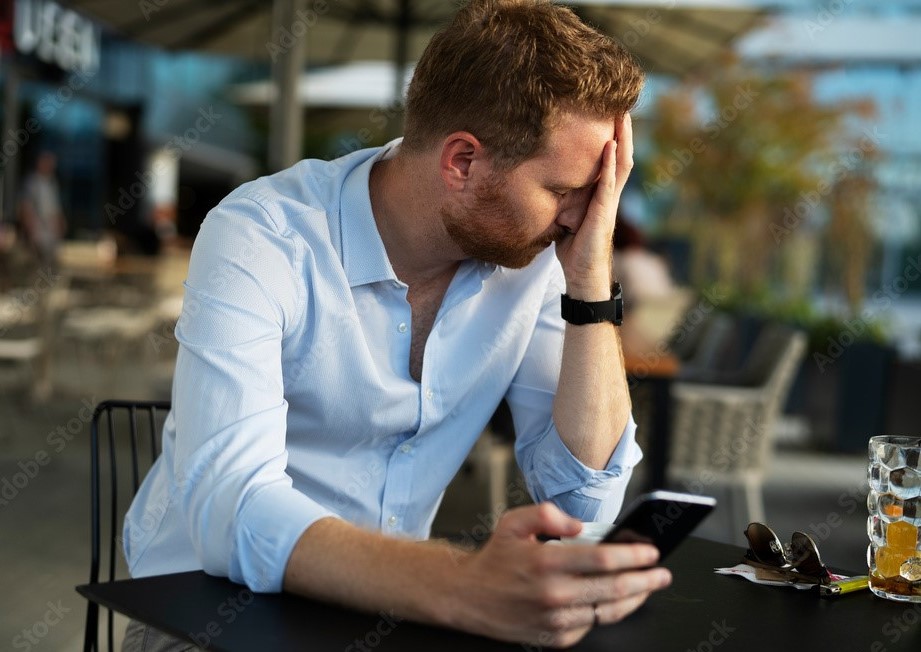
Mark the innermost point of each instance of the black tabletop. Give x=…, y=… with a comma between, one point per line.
x=701, y=611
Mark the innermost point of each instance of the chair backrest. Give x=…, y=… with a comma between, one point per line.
x=729, y=428
x=124, y=443
x=773, y=366
x=709, y=352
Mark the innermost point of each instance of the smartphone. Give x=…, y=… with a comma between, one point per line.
x=662, y=518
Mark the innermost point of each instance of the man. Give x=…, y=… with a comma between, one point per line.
x=349, y=327
x=40, y=211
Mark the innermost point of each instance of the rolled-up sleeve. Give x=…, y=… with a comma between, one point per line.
x=242, y=293
x=551, y=471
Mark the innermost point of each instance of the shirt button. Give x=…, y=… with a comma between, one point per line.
x=402, y=327
x=392, y=521
x=405, y=448
x=429, y=393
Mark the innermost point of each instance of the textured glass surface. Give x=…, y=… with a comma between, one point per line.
x=894, y=507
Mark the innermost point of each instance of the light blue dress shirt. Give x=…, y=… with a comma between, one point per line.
x=292, y=399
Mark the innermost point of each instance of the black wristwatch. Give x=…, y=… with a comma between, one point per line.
x=594, y=312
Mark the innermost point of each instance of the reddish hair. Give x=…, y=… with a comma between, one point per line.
x=504, y=69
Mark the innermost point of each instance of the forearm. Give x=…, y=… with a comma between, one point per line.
x=338, y=562
x=592, y=404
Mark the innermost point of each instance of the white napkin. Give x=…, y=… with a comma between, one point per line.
x=751, y=574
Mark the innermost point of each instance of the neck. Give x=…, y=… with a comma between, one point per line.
x=403, y=200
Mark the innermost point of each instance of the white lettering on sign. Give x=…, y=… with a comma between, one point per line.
x=56, y=35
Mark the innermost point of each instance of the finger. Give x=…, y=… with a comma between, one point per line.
x=605, y=196
x=599, y=558
x=545, y=518
x=625, y=144
x=613, y=612
x=621, y=586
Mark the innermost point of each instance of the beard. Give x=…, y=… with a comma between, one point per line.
x=493, y=231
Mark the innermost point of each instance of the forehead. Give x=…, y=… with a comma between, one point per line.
x=572, y=153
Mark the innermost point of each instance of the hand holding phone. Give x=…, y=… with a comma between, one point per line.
x=662, y=518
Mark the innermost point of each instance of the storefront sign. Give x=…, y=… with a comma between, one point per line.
x=56, y=35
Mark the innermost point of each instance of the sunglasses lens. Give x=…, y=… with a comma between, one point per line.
x=805, y=555
x=765, y=545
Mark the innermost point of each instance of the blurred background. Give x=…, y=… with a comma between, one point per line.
x=769, y=241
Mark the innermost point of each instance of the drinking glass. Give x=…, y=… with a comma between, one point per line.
x=894, y=503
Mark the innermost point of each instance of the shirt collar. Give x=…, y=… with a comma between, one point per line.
x=364, y=257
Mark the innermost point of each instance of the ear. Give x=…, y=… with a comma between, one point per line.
x=462, y=155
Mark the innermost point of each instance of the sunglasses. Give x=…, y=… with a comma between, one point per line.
x=798, y=560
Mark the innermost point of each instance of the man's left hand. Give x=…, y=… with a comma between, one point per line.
x=586, y=254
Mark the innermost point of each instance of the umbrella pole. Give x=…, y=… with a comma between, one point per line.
x=404, y=20
x=286, y=125
x=10, y=124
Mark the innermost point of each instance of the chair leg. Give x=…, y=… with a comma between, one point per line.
x=754, y=500
x=91, y=631
x=739, y=512
x=499, y=458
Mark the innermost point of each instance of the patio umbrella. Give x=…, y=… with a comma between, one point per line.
x=673, y=39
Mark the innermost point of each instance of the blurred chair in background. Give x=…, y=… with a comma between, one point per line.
x=722, y=434
x=29, y=320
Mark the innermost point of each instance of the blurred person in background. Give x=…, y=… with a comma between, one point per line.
x=643, y=273
x=654, y=304
x=350, y=326
x=41, y=218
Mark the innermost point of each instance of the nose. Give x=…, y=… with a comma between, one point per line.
x=568, y=221
x=572, y=211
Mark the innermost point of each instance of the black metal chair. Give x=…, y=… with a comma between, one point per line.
x=132, y=431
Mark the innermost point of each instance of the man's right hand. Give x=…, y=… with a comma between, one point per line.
x=518, y=589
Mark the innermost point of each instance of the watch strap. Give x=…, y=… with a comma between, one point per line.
x=579, y=312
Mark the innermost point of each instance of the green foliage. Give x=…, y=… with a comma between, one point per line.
x=820, y=327
x=746, y=183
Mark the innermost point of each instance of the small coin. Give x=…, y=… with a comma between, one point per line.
x=911, y=569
